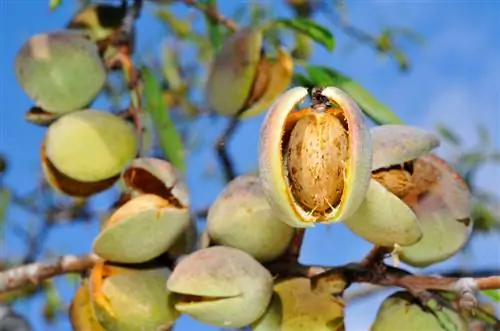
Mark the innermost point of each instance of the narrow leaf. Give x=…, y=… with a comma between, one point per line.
x=313, y=30
x=449, y=135
x=5, y=197
x=169, y=139
x=492, y=294
x=213, y=27
x=377, y=111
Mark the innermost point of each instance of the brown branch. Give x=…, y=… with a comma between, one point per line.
x=375, y=256
x=37, y=272
x=212, y=13
x=220, y=146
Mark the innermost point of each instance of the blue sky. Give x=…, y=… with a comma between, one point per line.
x=455, y=79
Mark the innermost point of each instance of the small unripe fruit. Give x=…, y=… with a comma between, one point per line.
x=60, y=71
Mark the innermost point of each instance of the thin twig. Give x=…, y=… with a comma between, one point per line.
x=211, y=13
x=220, y=146
x=37, y=272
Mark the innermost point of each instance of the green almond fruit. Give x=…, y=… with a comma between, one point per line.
x=60, y=71
x=233, y=71
x=384, y=220
x=221, y=286
x=400, y=311
x=90, y=145
x=303, y=309
x=141, y=229
x=81, y=313
x=272, y=318
x=241, y=217
x=442, y=203
x=134, y=299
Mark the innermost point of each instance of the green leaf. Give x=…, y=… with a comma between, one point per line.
x=492, y=294
x=179, y=27
x=169, y=138
x=302, y=80
x=53, y=4
x=449, y=135
x=377, y=111
x=5, y=197
x=213, y=27
x=313, y=30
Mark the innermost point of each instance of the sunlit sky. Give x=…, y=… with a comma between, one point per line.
x=455, y=79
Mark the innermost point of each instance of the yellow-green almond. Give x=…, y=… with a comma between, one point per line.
x=304, y=310
x=141, y=229
x=60, y=71
x=241, y=217
x=81, y=313
x=221, y=286
x=383, y=219
x=138, y=300
x=90, y=145
x=401, y=312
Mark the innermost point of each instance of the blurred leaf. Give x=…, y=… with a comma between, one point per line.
x=53, y=303
x=483, y=134
x=171, y=68
x=313, y=30
x=492, y=294
x=301, y=80
x=213, y=27
x=179, y=27
x=54, y=4
x=449, y=135
x=407, y=33
x=377, y=111
x=495, y=157
x=169, y=138
x=484, y=219
x=471, y=159
x=402, y=59
x=5, y=197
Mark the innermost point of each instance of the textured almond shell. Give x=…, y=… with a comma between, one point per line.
x=141, y=230
x=443, y=211
x=233, y=70
x=384, y=220
x=394, y=144
x=273, y=173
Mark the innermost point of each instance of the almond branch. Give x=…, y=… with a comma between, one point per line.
x=211, y=13
x=35, y=273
